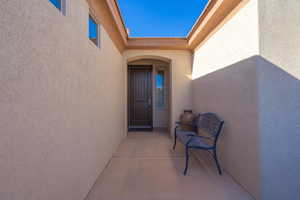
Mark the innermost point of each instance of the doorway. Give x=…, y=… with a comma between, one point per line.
x=140, y=110
x=148, y=100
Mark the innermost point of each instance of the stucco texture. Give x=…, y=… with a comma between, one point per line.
x=180, y=79
x=61, y=101
x=279, y=86
x=225, y=82
x=256, y=96
x=235, y=40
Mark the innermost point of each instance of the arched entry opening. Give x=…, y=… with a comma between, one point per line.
x=149, y=93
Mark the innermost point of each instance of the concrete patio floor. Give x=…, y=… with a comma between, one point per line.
x=146, y=168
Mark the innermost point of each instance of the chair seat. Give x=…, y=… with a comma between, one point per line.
x=184, y=136
x=183, y=132
x=198, y=142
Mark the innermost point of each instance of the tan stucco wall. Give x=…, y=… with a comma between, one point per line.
x=61, y=101
x=236, y=40
x=279, y=89
x=279, y=34
x=180, y=80
x=225, y=82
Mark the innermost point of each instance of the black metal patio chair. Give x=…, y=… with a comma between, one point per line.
x=208, y=127
x=184, y=134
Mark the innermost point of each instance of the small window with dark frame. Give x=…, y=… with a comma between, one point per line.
x=61, y=5
x=94, y=31
x=160, y=89
x=56, y=3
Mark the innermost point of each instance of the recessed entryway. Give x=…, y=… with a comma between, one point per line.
x=148, y=95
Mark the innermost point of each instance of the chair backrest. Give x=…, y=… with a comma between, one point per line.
x=210, y=125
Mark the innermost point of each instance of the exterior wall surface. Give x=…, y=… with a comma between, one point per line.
x=279, y=91
x=180, y=80
x=225, y=82
x=61, y=101
x=236, y=40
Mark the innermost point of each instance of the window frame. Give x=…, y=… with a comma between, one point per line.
x=161, y=71
x=98, y=28
x=63, y=6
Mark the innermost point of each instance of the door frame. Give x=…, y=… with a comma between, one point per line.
x=141, y=67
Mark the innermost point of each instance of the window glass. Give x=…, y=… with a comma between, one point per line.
x=56, y=3
x=93, y=30
x=160, y=89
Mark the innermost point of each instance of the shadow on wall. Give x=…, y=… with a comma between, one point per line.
x=279, y=112
x=261, y=108
x=232, y=93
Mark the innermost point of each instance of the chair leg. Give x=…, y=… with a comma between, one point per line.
x=217, y=162
x=186, y=160
x=175, y=139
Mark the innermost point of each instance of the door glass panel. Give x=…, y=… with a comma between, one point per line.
x=160, y=89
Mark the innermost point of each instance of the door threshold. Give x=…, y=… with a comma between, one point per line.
x=140, y=128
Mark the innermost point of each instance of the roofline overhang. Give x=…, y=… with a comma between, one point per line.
x=163, y=43
x=116, y=13
x=216, y=14
x=201, y=16
x=213, y=17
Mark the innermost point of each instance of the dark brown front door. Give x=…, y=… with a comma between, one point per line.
x=139, y=97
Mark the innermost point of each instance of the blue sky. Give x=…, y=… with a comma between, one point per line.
x=160, y=18
x=159, y=81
